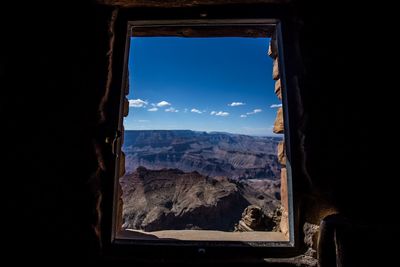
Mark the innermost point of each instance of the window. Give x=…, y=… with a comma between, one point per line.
x=203, y=150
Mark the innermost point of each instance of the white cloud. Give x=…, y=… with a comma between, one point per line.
x=257, y=110
x=163, y=104
x=222, y=113
x=219, y=113
x=235, y=104
x=275, y=106
x=196, y=111
x=243, y=116
x=137, y=103
x=152, y=109
x=171, y=109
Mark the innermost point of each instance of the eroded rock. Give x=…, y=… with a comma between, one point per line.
x=254, y=218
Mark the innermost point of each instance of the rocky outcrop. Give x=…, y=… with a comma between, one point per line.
x=171, y=199
x=254, y=218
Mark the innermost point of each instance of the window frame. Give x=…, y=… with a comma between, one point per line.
x=123, y=31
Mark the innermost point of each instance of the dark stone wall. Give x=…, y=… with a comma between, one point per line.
x=345, y=110
x=53, y=71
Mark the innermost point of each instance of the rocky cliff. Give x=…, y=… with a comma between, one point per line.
x=172, y=199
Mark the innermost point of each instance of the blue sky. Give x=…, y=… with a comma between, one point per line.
x=202, y=84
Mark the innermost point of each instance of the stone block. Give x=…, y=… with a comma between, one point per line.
x=278, y=90
x=275, y=69
x=273, y=48
x=278, y=124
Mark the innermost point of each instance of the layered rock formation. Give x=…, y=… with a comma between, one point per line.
x=211, y=154
x=172, y=199
x=181, y=179
x=254, y=218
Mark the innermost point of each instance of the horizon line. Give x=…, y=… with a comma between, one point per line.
x=204, y=131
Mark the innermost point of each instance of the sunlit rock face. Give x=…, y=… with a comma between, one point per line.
x=172, y=199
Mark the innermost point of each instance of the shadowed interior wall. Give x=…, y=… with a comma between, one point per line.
x=53, y=76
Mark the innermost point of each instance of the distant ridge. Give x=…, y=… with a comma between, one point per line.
x=205, y=132
x=235, y=156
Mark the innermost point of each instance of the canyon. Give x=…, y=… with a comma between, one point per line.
x=181, y=179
